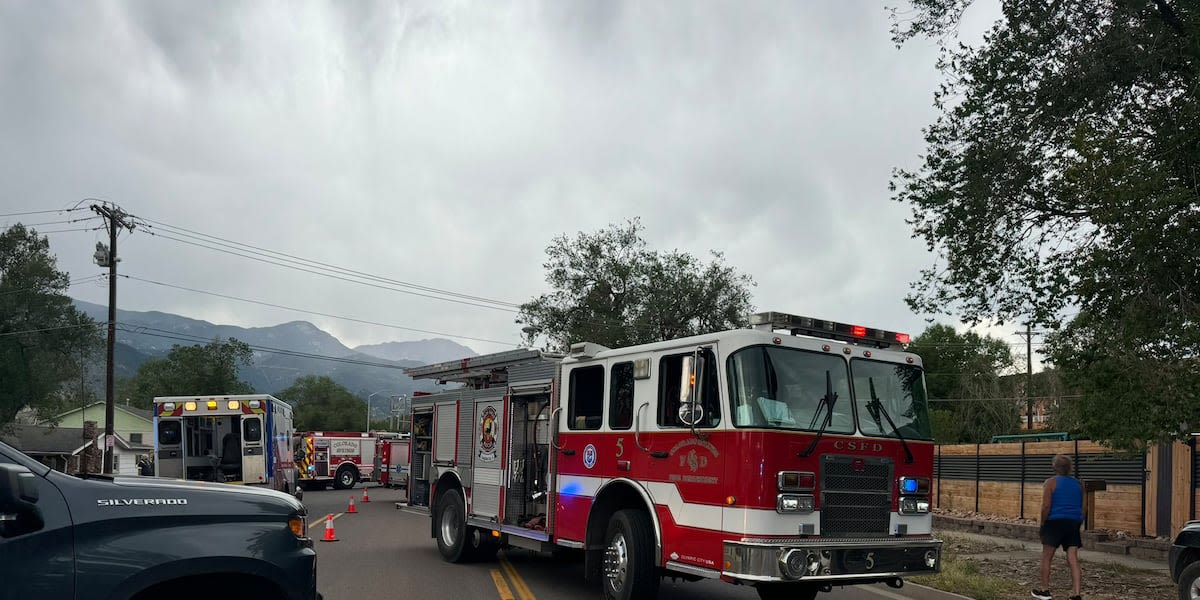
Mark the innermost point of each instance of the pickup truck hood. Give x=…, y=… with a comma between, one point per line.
x=155, y=494
x=184, y=486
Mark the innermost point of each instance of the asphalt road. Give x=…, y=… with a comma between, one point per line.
x=386, y=553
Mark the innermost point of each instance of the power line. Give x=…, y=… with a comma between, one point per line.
x=313, y=312
x=60, y=328
x=61, y=222
x=330, y=275
x=310, y=263
x=39, y=212
x=87, y=279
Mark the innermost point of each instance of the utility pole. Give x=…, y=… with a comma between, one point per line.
x=1028, y=334
x=114, y=217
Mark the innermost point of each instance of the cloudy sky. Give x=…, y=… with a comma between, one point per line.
x=444, y=144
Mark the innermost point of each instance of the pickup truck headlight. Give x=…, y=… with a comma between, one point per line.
x=914, y=505
x=299, y=526
x=794, y=503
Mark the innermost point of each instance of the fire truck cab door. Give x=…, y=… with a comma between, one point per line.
x=253, y=463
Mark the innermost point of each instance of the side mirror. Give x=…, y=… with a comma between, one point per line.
x=18, y=488
x=691, y=413
x=18, y=497
x=690, y=410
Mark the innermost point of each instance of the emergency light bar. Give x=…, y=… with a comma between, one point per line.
x=771, y=321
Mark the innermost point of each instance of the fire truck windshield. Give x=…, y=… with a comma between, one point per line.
x=784, y=388
x=899, y=390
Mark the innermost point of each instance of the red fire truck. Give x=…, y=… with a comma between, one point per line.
x=340, y=458
x=391, y=459
x=793, y=456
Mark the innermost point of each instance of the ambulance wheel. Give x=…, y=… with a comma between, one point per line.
x=786, y=591
x=345, y=479
x=452, y=527
x=629, y=571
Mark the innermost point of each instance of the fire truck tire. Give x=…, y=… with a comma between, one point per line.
x=628, y=571
x=452, y=528
x=787, y=591
x=345, y=478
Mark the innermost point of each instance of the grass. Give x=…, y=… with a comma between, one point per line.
x=963, y=577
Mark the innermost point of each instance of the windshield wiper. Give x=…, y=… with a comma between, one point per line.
x=829, y=400
x=875, y=407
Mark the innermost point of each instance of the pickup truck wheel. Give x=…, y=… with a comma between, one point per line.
x=788, y=591
x=346, y=478
x=1189, y=582
x=629, y=571
x=452, y=527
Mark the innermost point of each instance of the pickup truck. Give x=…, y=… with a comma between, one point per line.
x=139, y=538
x=1184, y=560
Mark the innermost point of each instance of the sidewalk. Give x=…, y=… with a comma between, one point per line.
x=1027, y=549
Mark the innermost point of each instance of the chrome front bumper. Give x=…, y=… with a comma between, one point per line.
x=832, y=560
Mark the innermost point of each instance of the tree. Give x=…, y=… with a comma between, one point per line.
x=323, y=405
x=610, y=289
x=211, y=369
x=44, y=341
x=1064, y=172
x=964, y=369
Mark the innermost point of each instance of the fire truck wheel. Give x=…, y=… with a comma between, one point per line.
x=629, y=569
x=345, y=479
x=786, y=591
x=452, y=527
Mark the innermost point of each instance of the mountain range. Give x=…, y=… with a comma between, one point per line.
x=282, y=353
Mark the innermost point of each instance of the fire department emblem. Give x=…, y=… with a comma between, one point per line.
x=488, y=430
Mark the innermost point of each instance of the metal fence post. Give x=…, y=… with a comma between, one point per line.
x=1022, y=480
x=939, y=474
x=976, y=477
x=1145, y=475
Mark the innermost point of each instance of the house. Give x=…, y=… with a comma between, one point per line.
x=136, y=425
x=61, y=448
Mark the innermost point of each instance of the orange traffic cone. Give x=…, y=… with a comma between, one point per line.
x=330, y=534
x=351, y=510
x=366, y=498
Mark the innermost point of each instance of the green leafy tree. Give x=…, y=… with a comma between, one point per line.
x=1063, y=172
x=964, y=369
x=210, y=369
x=45, y=342
x=323, y=405
x=609, y=288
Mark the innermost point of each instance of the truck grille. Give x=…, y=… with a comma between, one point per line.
x=856, y=496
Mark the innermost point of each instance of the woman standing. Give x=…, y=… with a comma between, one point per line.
x=1062, y=517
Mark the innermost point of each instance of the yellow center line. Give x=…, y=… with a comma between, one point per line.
x=317, y=522
x=501, y=586
x=522, y=589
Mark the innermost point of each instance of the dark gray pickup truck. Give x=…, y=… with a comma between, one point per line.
x=64, y=537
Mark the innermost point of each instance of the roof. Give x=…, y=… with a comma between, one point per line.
x=143, y=413
x=36, y=439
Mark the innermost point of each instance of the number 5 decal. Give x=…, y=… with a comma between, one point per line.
x=620, y=447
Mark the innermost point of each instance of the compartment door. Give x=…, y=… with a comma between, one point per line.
x=254, y=464
x=488, y=455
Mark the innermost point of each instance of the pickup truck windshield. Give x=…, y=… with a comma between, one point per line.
x=899, y=391
x=785, y=388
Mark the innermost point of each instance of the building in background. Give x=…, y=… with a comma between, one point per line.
x=136, y=425
x=63, y=448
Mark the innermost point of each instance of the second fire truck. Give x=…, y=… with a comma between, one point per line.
x=793, y=457
x=337, y=458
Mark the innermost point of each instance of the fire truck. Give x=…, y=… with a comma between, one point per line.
x=792, y=456
x=337, y=458
x=391, y=459
x=234, y=439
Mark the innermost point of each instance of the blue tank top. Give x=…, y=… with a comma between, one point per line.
x=1067, y=500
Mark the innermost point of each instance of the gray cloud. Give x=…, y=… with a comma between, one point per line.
x=447, y=143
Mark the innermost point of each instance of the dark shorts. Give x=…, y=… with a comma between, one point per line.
x=1062, y=533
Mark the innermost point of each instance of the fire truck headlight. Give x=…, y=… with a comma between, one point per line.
x=914, y=505
x=794, y=503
